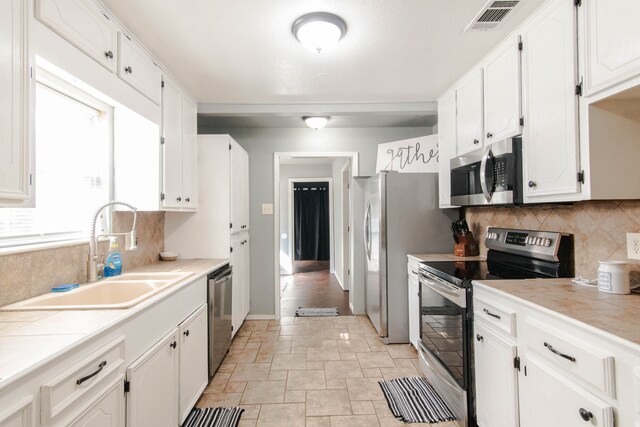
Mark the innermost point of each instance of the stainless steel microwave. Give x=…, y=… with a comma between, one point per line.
x=488, y=176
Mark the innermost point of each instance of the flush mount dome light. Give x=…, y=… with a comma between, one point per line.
x=318, y=31
x=316, y=122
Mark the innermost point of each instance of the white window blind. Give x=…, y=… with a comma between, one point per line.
x=73, y=168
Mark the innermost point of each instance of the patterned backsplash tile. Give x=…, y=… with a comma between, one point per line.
x=599, y=228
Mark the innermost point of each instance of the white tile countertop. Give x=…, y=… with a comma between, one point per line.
x=28, y=339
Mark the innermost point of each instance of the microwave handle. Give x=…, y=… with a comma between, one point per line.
x=487, y=180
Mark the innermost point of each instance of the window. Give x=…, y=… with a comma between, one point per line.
x=73, y=176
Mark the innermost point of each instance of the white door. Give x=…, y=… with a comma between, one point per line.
x=346, y=229
x=108, y=410
x=14, y=96
x=446, y=146
x=496, y=380
x=237, y=187
x=193, y=363
x=469, y=117
x=612, y=42
x=189, y=153
x=551, y=400
x=414, y=307
x=550, y=137
x=172, y=147
x=138, y=69
x=246, y=276
x=84, y=25
x=502, y=93
x=153, y=395
x=237, y=292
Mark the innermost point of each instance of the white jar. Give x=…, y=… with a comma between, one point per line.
x=613, y=277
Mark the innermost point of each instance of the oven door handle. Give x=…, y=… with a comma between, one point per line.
x=438, y=285
x=487, y=180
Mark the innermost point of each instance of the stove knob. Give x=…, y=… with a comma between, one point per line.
x=530, y=240
x=539, y=241
x=547, y=242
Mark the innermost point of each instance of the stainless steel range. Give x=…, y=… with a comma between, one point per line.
x=446, y=344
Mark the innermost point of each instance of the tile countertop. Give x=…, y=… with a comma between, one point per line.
x=29, y=339
x=617, y=315
x=444, y=257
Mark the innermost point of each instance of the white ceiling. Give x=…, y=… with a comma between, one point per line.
x=242, y=51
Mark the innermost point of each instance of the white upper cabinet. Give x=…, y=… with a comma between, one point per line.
x=612, y=42
x=172, y=144
x=502, y=93
x=239, y=188
x=550, y=136
x=469, y=117
x=84, y=25
x=15, y=143
x=446, y=145
x=138, y=69
x=189, y=153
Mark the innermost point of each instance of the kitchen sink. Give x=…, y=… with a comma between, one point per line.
x=112, y=293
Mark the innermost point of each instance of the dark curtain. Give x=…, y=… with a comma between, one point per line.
x=311, y=220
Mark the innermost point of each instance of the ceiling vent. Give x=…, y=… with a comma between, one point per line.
x=494, y=12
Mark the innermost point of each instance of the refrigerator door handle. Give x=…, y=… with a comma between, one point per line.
x=367, y=231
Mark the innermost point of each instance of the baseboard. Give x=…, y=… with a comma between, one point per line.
x=260, y=317
x=338, y=280
x=351, y=307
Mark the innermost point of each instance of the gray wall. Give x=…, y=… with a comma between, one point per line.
x=261, y=143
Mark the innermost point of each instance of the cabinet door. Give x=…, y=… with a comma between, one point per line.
x=20, y=415
x=189, y=153
x=237, y=187
x=496, y=380
x=550, y=138
x=502, y=93
x=172, y=147
x=237, y=290
x=107, y=410
x=245, y=189
x=194, y=367
x=550, y=399
x=246, y=276
x=612, y=42
x=414, y=307
x=14, y=95
x=138, y=69
x=446, y=146
x=85, y=26
x=469, y=117
x=153, y=394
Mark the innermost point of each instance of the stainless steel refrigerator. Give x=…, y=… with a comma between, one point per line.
x=401, y=216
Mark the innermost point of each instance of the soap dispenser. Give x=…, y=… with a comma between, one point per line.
x=113, y=264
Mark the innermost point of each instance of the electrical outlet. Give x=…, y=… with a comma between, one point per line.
x=633, y=246
x=267, y=209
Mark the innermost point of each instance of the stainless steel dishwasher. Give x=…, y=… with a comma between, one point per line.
x=219, y=291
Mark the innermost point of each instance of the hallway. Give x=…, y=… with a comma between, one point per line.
x=310, y=371
x=312, y=285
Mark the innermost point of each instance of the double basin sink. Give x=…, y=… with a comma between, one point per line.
x=113, y=293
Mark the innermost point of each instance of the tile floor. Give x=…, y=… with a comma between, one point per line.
x=310, y=372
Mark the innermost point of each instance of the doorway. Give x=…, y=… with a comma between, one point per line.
x=310, y=232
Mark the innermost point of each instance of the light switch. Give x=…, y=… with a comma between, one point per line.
x=267, y=209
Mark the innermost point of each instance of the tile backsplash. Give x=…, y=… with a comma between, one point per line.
x=28, y=274
x=599, y=228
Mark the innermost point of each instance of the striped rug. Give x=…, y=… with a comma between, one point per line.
x=413, y=400
x=213, y=417
x=316, y=312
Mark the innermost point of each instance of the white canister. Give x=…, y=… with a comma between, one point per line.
x=613, y=277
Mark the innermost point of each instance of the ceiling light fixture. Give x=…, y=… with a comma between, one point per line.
x=318, y=31
x=316, y=122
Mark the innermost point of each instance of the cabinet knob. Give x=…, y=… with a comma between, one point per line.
x=187, y=200
x=475, y=141
x=128, y=70
x=489, y=135
x=109, y=54
x=173, y=344
x=585, y=415
x=532, y=184
x=186, y=333
x=479, y=337
x=179, y=199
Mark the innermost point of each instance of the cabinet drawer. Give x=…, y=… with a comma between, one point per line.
x=85, y=376
x=572, y=356
x=503, y=318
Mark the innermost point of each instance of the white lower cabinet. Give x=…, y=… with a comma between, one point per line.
x=107, y=410
x=21, y=415
x=551, y=399
x=496, y=379
x=241, y=282
x=193, y=360
x=152, y=399
x=414, y=304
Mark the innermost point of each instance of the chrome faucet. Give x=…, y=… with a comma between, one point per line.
x=93, y=266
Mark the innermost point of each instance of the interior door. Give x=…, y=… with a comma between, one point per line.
x=375, y=280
